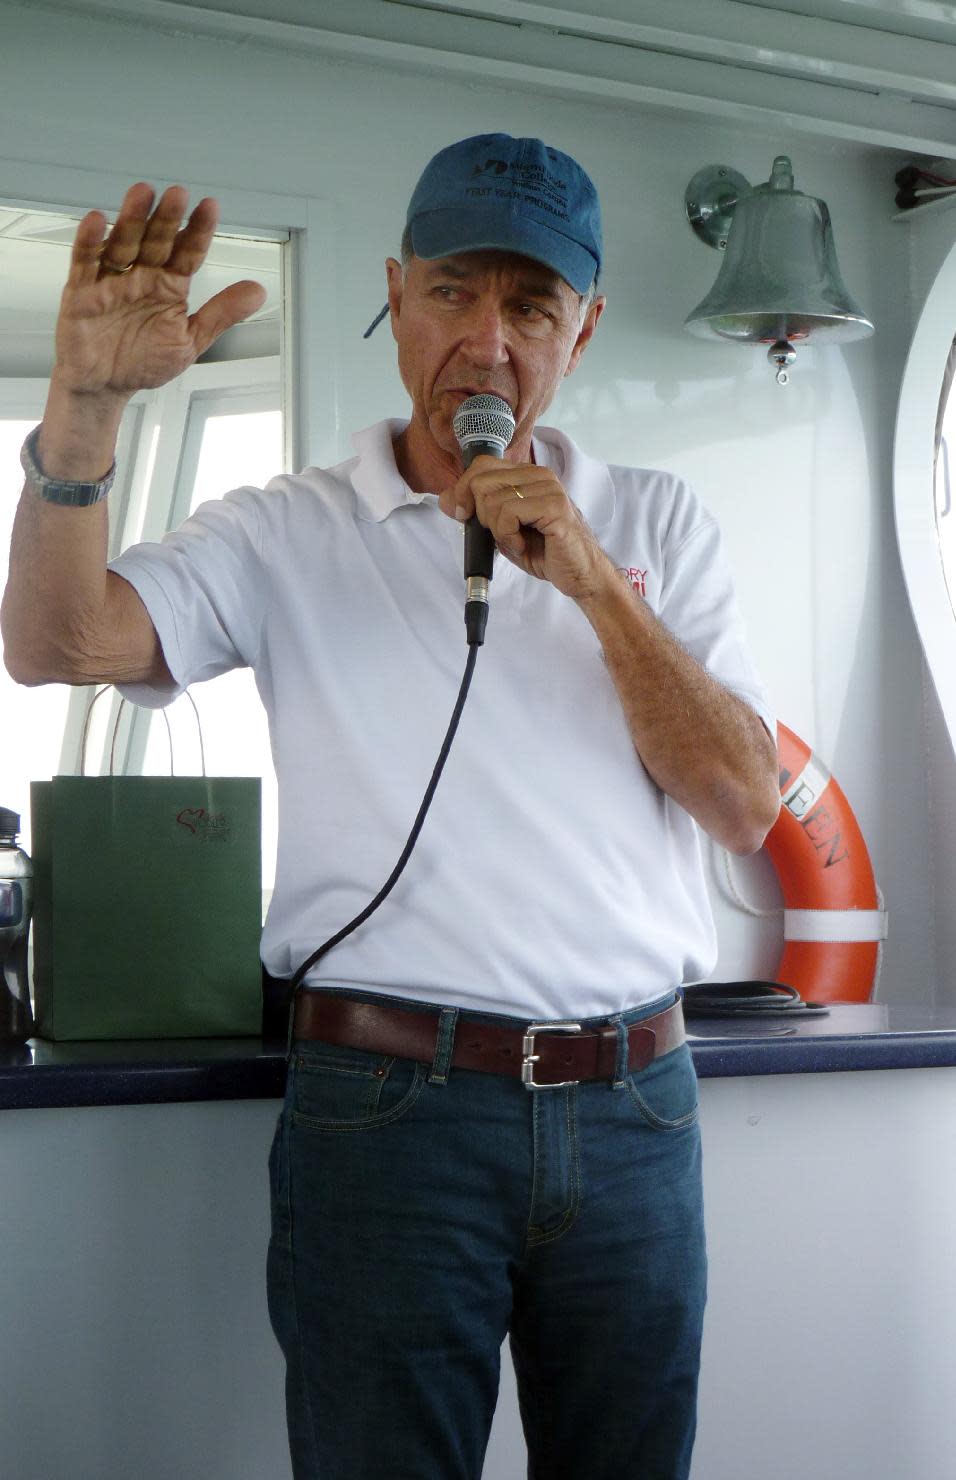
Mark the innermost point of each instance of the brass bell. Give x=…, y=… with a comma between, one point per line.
x=779, y=282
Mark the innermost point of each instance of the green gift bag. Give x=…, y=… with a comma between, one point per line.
x=147, y=906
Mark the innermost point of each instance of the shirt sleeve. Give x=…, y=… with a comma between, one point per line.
x=203, y=586
x=699, y=606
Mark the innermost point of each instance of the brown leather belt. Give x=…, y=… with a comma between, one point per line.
x=540, y=1054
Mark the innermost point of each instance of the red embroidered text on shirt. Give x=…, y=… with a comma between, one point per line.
x=636, y=578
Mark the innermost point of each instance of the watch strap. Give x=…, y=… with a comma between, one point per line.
x=60, y=490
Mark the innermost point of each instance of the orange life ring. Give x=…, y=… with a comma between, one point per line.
x=834, y=919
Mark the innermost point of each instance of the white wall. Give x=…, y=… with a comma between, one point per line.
x=799, y=478
x=828, y=1338
x=136, y=1338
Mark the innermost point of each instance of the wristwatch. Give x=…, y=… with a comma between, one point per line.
x=58, y=490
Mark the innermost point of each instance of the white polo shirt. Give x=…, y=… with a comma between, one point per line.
x=552, y=878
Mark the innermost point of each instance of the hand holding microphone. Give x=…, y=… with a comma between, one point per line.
x=537, y=525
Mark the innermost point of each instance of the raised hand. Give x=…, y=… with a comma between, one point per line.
x=124, y=323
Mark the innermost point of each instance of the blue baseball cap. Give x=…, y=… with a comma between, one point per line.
x=510, y=195
x=493, y=192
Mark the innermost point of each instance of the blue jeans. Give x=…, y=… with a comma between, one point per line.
x=420, y=1214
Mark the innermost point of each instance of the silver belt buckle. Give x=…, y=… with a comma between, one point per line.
x=530, y=1058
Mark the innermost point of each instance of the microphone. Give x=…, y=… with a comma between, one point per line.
x=482, y=424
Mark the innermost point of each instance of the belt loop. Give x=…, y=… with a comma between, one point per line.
x=447, y=1023
x=623, y=1052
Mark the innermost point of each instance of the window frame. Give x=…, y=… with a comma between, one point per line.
x=298, y=224
x=914, y=486
x=305, y=225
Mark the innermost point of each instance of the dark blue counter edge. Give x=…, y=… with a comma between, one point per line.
x=723, y=1059
x=63, y=1086
x=260, y=1073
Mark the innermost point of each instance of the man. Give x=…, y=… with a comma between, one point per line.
x=444, y=1173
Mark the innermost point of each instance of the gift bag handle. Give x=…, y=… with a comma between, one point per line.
x=86, y=731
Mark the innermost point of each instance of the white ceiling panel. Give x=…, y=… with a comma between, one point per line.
x=933, y=19
x=881, y=72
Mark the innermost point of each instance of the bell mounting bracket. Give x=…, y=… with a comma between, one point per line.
x=710, y=199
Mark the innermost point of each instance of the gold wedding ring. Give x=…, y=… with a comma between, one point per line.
x=517, y=491
x=111, y=266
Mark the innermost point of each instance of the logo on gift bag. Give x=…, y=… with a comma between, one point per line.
x=207, y=827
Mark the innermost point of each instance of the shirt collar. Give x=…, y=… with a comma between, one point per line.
x=380, y=488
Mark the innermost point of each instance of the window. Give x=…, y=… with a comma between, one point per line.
x=924, y=519
x=42, y=726
x=216, y=427
x=34, y=720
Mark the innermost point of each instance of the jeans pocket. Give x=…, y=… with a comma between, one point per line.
x=665, y=1092
x=349, y=1089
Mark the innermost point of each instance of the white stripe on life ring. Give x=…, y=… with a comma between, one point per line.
x=806, y=788
x=834, y=925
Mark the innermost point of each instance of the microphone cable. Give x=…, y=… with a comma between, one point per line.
x=482, y=424
x=412, y=839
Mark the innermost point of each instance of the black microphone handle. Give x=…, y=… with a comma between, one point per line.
x=479, y=541
x=479, y=549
